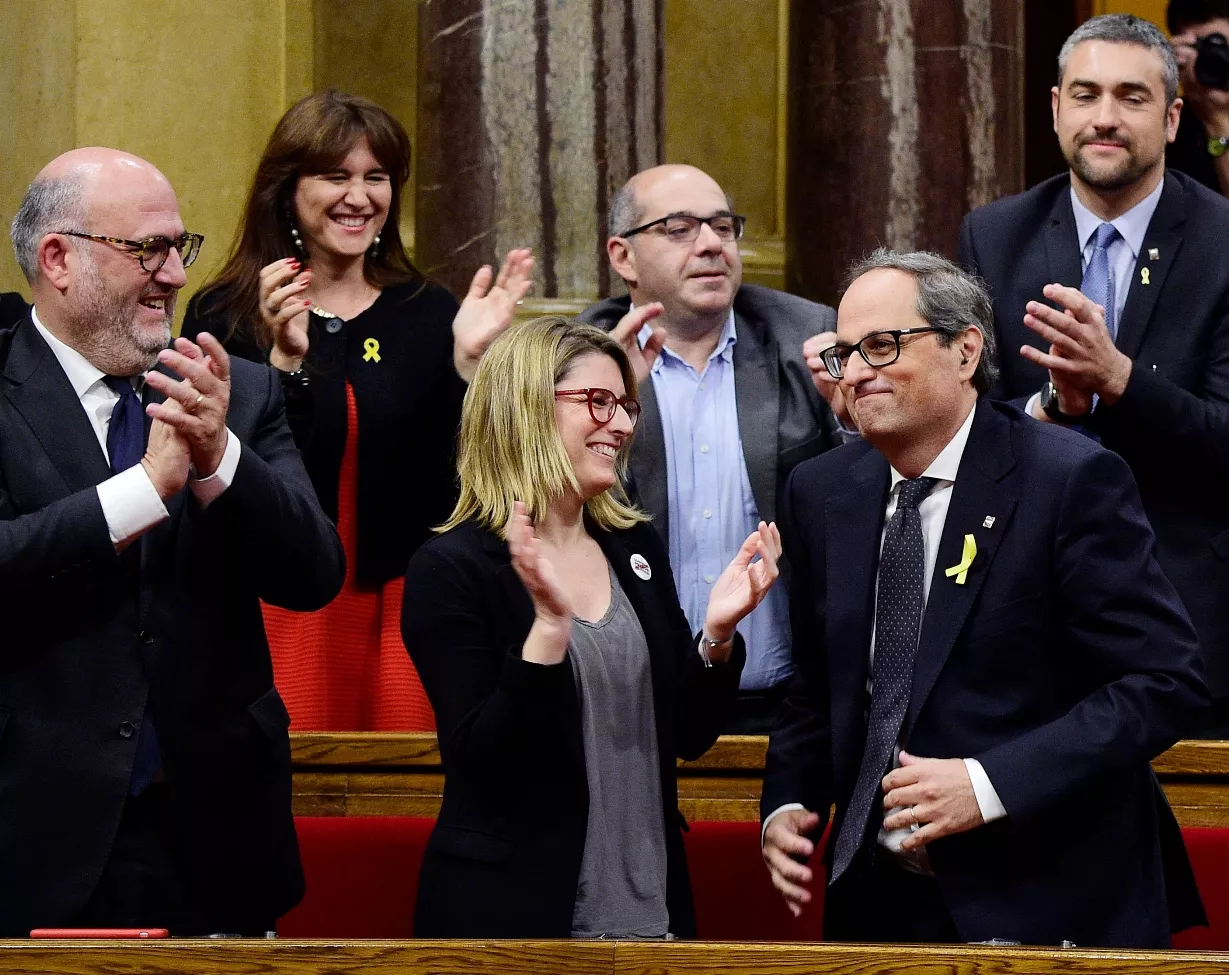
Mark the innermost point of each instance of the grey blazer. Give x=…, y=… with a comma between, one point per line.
x=782, y=419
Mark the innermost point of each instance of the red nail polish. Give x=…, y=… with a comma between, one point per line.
x=306, y=302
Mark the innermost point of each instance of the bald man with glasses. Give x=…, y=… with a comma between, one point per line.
x=730, y=406
x=150, y=497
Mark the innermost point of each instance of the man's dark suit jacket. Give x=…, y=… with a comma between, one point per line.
x=1172, y=424
x=13, y=308
x=172, y=625
x=1063, y=664
x=504, y=858
x=781, y=416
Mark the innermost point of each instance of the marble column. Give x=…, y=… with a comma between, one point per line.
x=904, y=114
x=531, y=114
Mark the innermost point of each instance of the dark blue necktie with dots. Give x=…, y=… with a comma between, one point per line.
x=898, y=621
x=126, y=447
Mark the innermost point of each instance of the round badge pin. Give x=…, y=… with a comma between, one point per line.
x=640, y=566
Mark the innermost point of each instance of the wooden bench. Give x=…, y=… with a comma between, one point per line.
x=347, y=774
x=578, y=958
x=365, y=805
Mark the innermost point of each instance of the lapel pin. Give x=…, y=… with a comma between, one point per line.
x=961, y=569
x=989, y=522
x=640, y=566
x=371, y=350
x=1144, y=276
x=1154, y=253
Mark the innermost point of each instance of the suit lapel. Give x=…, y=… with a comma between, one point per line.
x=41, y=393
x=648, y=463
x=853, y=530
x=1063, y=261
x=759, y=406
x=976, y=497
x=1163, y=235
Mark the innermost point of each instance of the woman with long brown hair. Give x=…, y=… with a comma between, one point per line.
x=373, y=360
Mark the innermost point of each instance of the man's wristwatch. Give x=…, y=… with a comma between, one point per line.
x=1217, y=145
x=1049, y=406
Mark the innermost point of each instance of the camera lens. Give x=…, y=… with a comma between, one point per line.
x=1212, y=63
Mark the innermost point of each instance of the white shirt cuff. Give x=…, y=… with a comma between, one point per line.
x=1032, y=402
x=988, y=801
x=208, y=488
x=130, y=504
x=780, y=809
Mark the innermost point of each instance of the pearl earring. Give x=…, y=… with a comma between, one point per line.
x=374, y=250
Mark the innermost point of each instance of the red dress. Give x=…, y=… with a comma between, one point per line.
x=344, y=667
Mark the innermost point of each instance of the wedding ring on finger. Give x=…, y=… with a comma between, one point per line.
x=913, y=827
x=197, y=402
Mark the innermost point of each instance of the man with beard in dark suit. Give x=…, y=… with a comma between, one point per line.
x=1138, y=356
x=144, y=756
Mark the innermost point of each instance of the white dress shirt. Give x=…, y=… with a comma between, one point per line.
x=130, y=503
x=933, y=514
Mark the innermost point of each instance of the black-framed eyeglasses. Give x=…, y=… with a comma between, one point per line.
x=683, y=228
x=151, y=252
x=878, y=349
x=602, y=403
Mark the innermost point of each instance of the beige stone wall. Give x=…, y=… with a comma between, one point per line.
x=196, y=86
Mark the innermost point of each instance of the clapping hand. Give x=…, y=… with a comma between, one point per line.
x=829, y=388
x=552, y=627
x=626, y=332
x=196, y=405
x=489, y=308
x=744, y=583
x=283, y=311
x=1082, y=354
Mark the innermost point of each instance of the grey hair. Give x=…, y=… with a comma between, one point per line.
x=624, y=211
x=949, y=299
x=1125, y=29
x=51, y=205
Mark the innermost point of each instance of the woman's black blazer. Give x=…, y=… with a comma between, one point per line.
x=504, y=859
x=409, y=408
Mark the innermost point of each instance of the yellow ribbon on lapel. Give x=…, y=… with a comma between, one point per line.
x=961, y=570
x=371, y=350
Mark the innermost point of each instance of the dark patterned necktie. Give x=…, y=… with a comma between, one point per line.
x=126, y=447
x=898, y=621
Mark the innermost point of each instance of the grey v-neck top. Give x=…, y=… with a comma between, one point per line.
x=622, y=888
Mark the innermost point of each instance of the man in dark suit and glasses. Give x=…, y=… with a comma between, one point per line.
x=1149, y=376
x=144, y=757
x=988, y=653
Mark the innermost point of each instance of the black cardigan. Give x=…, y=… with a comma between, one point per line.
x=409, y=408
x=504, y=858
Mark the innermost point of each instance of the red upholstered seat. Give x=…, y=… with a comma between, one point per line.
x=735, y=900
x=1209, y=852
x=362, y=875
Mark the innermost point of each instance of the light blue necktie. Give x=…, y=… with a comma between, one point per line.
x=1098, y=283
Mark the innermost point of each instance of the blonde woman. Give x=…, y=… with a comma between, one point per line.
x=544, y=623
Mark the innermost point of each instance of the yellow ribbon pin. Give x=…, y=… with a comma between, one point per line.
x=961, y=570
x=1144, y=275
x=371, y=350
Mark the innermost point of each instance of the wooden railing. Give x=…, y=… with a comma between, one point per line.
x=347, y=774
x=579, y=958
